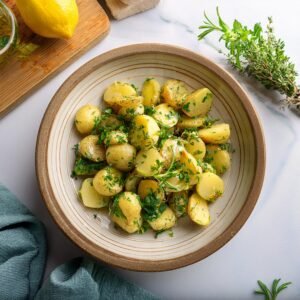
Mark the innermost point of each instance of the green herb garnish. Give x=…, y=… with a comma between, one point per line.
x=271, y=294
x=259, y=54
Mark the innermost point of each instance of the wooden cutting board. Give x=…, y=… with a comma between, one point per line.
x=19, y=78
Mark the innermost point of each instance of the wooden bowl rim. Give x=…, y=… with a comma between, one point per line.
x=96, y=250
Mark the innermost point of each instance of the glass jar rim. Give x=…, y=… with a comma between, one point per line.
x=13, y=27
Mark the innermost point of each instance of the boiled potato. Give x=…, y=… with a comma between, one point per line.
x=216, y=134
x=121, y=157
x=149, y=162
x=108, y=181
x=117, y=91
x=126, y=212
x=165, y=115
x=129, y=113
x=89, y=148
x=110, y=121
x=132, y=181
x=178, y=203
x=148, y=186
x=198, y=210
x=85, y=118
x=195, y=146
x=165, y=221
x=90, y=197
x=186, y=122
x=144, y=132
x=198, y=103
x=151, y=92
x=176, y=184
x=174, y=93
x=170, y=151
x=210, y=186
x=191, y=167
x=115, y=137
x=218, y=158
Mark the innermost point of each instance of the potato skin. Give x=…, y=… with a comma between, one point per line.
x=90, y=197
x=144, y=132
x=132, y=181
x=174, y=93
x=190, y=166
x=210, y=186
x=89, y=148
x=216, y=134
x=151, y=92
x=110, y=122
x=148, y=186
x=178, y=203
x=149, y=162
x=218, y=158
x=198, y=210
x=130, y=207
x=108, y=181
x=165, y=115
x=129, y=113
x=186, y=122
x=85, y=118
x=165, y=221
x=198, y=103
x=121, y=157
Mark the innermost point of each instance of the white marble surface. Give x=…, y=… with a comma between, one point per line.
x=268, y=246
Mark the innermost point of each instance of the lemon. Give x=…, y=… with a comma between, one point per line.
x=50, y=18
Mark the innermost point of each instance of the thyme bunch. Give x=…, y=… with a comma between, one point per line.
x=259, y=54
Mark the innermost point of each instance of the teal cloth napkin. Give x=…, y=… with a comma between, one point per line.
x=22, y=262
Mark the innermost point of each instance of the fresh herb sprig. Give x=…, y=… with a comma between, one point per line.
x=259, y=54
x=271, y=294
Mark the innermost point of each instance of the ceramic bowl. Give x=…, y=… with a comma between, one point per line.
x=93, y=231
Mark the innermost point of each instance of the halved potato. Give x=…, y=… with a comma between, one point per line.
x=170, y=150
x=198, y=210
x=176, y=184
x=165, y=221
x=218, y=158
x=210, y=186
x=216, y=134
x=198, y=103
x=90, y=197
x=126, y=212
x=186, y=122
x=108, y=181
x=151, y=92
x=115, y=137
x=206, y=167
x=190, y=165
x=178, y=203
x=148, y=186
x=144, y=132
x=117, y=91
x=85, y=118
x=165, y=115
x=130, y=101
x=174, y=93
x=121, y=157
x=129, y=113
x=90, y=149
x=149, y=162
x=195, y=146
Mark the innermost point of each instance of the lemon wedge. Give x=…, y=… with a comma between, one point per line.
x=50, y=18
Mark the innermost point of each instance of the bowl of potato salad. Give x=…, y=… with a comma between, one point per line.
x=150, y=157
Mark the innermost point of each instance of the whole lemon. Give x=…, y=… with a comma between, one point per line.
x=50, y=18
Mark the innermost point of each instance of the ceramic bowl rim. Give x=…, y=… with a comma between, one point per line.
x=96, y=250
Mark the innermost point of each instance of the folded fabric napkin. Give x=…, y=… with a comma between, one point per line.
x=22, y=262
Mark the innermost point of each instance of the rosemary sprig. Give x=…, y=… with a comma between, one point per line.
x=271, y=294
x=259, y=54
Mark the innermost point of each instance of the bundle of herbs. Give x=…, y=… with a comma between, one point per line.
x=258, y=53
